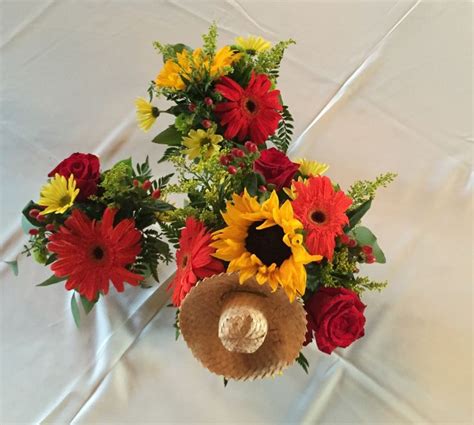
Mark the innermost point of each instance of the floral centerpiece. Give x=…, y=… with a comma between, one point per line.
x=268, y=248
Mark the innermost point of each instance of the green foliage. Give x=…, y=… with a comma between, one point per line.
x=88, y=305
x=365, y=237
x=356, y=214
x=184, y=123
x=364, y=283
x=171, y=137
x=169, y=51
x=282, y=137
x=13, y=266
x=364, y=190
x=210, y=40
x=53, y=279
x=176, y=325
x=172, y=232
x=75, y=310
x=268, y=62
x=116, y=182
x=170, y=152
x=303, y=362
x=153, y=251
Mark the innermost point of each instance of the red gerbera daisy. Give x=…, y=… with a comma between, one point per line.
x=250, y=113
x=194, y=259
x=322, y=211
x=92, y=253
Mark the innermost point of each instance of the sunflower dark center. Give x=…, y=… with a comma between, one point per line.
x=318, y=217
x=267, y=244
x=98, y=253
x=251, y=106
x=155, y=112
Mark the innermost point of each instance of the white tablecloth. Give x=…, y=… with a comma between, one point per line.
x=374, y=86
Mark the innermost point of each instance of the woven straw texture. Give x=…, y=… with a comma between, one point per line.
x=199, y=323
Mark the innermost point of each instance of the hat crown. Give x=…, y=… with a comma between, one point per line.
x=242, y=324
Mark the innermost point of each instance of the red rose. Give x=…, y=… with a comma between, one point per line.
x=85, y=168
x=276, y=167
x=336, y=317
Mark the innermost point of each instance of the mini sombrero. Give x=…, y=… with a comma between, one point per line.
x=241, y=331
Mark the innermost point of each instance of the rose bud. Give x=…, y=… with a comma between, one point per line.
x=231, y=169
x=40, y=218
x=146, y=185
x=208, y=101
x=136, y=183
x=276, y=167
x=242, y=165
x=50, y=227
x=251, y=147
x=33, y=232
x=238, y=153
x=191, y=107
x=156, y=194
x=33, y=213
x=206, y=123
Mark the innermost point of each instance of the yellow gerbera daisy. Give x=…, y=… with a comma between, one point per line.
x=199, y=140
x=311, y=168
x=252, y=44
x=58, y=195
x=262, y=241
x=146, y=113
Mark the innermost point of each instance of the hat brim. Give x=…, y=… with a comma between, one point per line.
x=199, y=320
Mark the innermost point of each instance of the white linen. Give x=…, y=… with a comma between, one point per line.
x=373, y=86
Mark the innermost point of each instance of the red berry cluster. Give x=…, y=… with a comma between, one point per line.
x=365, y=250
x=239, y=158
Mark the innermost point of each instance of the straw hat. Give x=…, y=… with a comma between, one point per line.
x=241, y=331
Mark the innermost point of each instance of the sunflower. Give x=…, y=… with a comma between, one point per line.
x=262, y=241
x=223, y=59
x=311, y=168
x=146, y=113
x=322, y=210
x=58, y=195
x=202, y=140
x=252, y=44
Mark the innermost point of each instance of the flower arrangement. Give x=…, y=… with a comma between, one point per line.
x=92, y=228
x=268, y=249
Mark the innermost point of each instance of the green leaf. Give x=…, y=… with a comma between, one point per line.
x=303, y=362
x=52, y=280
x=26, y=225
x=51, y=259
x=365, y=237
x=13, y=266
x=75, y=310
x=356, y=215
x=251, y=183
x=28, y=222
x=171, y=137
x=173, y=49
x=226, y=381
x=87, y=305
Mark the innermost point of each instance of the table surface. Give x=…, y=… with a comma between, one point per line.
x=373, y=86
